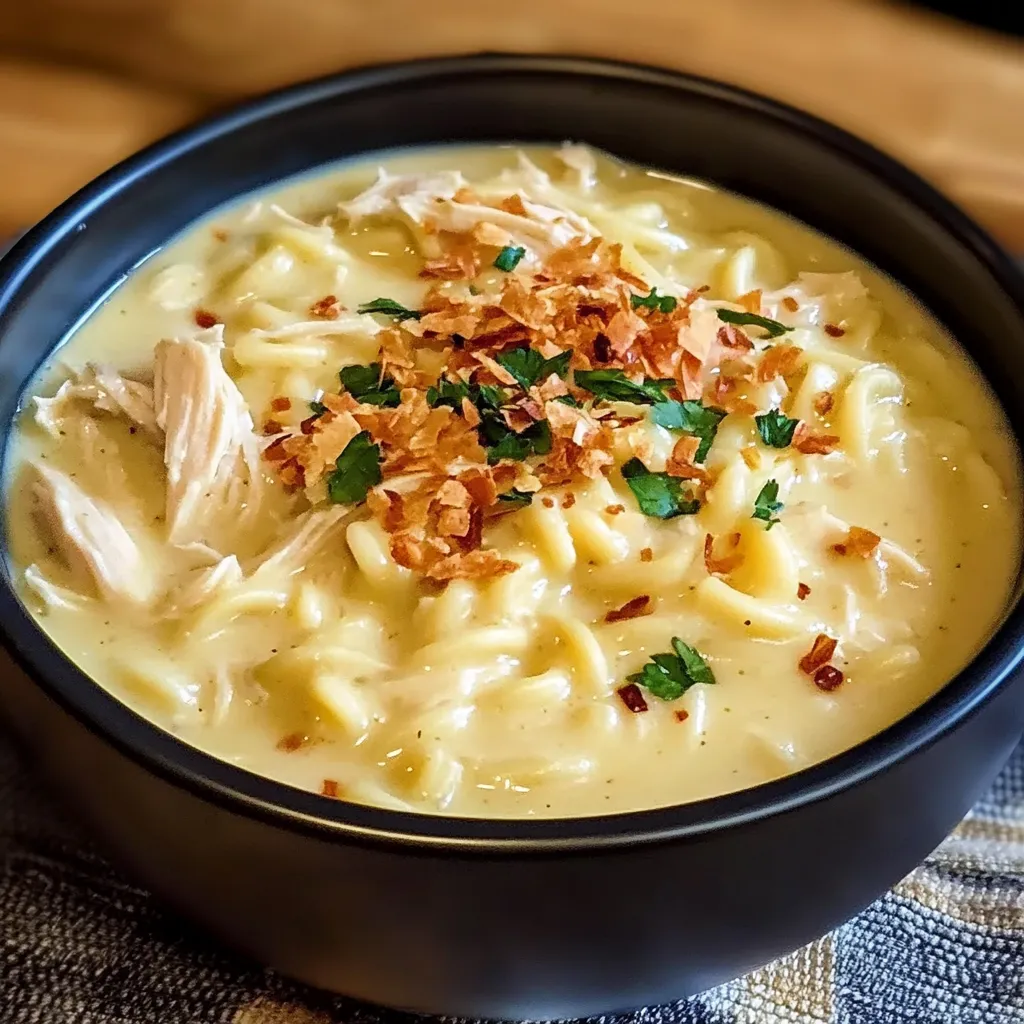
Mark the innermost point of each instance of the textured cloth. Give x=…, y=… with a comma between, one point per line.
x=80, y=945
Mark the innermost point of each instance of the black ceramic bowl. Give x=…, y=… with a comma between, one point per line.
x=516, y=918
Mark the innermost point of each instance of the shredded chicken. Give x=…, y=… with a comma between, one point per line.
x=210, y=450
x=89, y=537
x=382, y=197
x=295, y=548
x=105, y=390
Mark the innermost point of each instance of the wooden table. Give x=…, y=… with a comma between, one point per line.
x=85, y=82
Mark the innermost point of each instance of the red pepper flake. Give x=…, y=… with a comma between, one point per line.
x=635, y=608
x=802, y=591
x=681, y=716
x=646, y=555
x=823, y=402
x=615, y=510
x=632, y=697
x=276, y=452
x=329, y=787
x=281, y=404
x=205, y=319
x=548, y=502
x=325, y=308
x=834, y=330
x=820, y=654
x=602, y=349
x=790, y=303
x=827, y=678
x=839, y=549
x=292, y=742
x=309, y=425
x=569, y=500
x=272, y=427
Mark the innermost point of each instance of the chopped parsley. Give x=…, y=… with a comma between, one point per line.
x=452, y=392
x=615, y=386
x=654, y=301
x=691, y=418
x=515, y=499
x=502, y=442
x=356, y=470
x=317, y=408
x=568, y=400
x=659, y=495
x=389, y=308
x=767, y=505
x=776, y=428
x=509, y=257
x=669, y=676
x=733, y=316
x=528, y=366
x=368, y=385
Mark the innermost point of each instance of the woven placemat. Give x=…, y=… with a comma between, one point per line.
x=81, y=945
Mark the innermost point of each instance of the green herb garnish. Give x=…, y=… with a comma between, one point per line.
x=317, y=408
x=658, y=494
x=389, y=308
x=615, y=386
x=368, y=385
x=568, y=400
x=504, y=443
x=452, y=392
x=356, y=470
x=669, y=676
x=691, y=418
x=528, y=366
x=515, y=499
x=776, y=428
x=766, y=504
x=509, y=257
x=732, y=316
x=662, y=303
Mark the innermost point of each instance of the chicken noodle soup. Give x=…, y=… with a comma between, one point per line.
x=511, y=483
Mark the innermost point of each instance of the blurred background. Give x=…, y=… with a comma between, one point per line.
x=941, y=86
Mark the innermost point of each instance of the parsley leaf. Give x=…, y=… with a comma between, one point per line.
x=509, y=257
x=505, y=443
x=766, y=504
x=452, y=392
x=669, y=676
x=389, y=308
x=366, y=384
x=691, y=418
x=568, y=400
x=615, y=386
x=356, y=470
x=776, y=428
x=317, y=408
x=528, y=366
x=732, y=316
x=664, y=303
x=658, y=494
x=515, y=499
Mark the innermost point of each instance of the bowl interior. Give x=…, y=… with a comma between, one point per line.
x=750, y=145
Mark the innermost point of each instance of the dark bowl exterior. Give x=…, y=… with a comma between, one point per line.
x=515, y=919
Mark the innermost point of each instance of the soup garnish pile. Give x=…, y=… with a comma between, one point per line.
x=543, y=486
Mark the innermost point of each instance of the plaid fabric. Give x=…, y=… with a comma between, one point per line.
x=80, y=945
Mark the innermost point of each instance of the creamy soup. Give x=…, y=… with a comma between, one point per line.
x=514, y=483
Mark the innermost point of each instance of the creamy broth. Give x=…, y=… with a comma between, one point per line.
x=335, y=596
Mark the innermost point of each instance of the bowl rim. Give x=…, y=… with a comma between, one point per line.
x=259, y=797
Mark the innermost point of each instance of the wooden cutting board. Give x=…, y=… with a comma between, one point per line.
x=96, y=79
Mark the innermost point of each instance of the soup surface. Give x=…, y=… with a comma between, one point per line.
x=512, y=483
